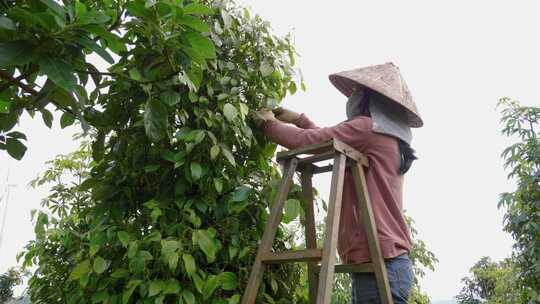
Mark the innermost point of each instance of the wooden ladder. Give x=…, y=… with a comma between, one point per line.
x=320, y=276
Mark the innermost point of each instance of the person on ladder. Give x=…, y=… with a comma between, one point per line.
x=380, y=112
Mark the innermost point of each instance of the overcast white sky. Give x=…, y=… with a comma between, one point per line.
x=458, y=58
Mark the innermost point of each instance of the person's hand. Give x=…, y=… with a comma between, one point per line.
x=286, y=115
x=261, y=116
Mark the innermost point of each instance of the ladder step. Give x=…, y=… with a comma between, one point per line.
x=306, y=255
x=350, y=268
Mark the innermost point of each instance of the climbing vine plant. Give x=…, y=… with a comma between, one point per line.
x=177, y=195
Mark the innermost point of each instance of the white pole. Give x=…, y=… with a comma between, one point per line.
x=4, y=213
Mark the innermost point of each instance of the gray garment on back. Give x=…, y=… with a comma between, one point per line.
x=388, y=117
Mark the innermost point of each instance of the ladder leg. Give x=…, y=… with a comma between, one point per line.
x=326, y=276
x=364, y=204
x=311, y=232
x=255, y=277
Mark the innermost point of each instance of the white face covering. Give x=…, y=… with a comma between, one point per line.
x=388, y=117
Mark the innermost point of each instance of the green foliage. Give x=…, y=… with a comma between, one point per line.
x=179, y=183
x=522, y=218
x=491, y=282
x=422, y=258
x=8, y=280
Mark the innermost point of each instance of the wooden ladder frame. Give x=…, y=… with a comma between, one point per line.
x=320, y=277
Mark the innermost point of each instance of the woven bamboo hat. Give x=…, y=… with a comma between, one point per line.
x=384, y=79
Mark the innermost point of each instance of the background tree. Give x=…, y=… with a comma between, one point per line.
x=177, y=196
x=490, y=282
x=8, y=280
x=522, y=217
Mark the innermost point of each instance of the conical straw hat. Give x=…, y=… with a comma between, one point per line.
x=384, y=79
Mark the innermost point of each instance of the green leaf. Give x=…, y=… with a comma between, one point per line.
x=235, y=299
x=197, y=9
x=7, y=24
x=171, y=287
x=57, y=70
x=98, y=146
x=4, y=106
x=66, y=120
x=196, y=170
x=155, y=120
x=124, y=238
x=230, y=111
x=291, y=210
x=172, y=260
x=90, y=44
x=228, y=280
x=126, y=295
x=15, y=53
x=120, y=273
x=189, y=263
x=266, y=69
x=214, y=151
x=292, y=87
x=232, y=251
x=194, y=22
x=210, y=285
x=135, y=74
x=241, y=194
x=195, y=74
x=228, y=154
x=100, y=297
x=93, y=17
x=155, y=288
x=80, y=269
x=195, y=136
x=202, y=44
x=218, y=184
x=138, y=9
x=15, y=148
x=100, y=265
x=47, y=117
x=170, y=97
x=55, y=7
x=207, y=244
x=155, y=236
x=188, y=296
x=17, y=134
x=199, y=283
x=96, y=241
x=80, y=8
x=114, y=43
x=222, y=96
x=274, y=284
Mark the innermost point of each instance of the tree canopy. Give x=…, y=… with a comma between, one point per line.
x=177, y=195
x=522, y=217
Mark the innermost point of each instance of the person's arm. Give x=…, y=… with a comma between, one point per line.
x=289, y=116
x=305, y=123
x=352, y=132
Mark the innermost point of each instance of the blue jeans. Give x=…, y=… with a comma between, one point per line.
x=400, y=277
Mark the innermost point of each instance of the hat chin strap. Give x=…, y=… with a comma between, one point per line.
x=388, y=121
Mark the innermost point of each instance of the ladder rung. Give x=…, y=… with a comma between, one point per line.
x=323, y=169
x=311, y=149
x=317, y=157
x=350, y=268
x=306, y=255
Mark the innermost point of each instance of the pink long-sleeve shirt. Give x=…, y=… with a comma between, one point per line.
x=385, y=185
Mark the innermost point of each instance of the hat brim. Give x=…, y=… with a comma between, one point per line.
x=347, y=86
